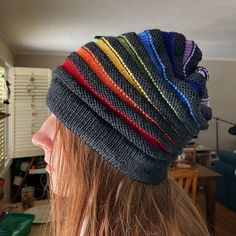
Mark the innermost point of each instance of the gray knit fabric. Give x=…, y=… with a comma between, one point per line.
x=93, y=94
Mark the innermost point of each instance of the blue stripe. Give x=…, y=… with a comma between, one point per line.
x=147, y=40
x=144, y=39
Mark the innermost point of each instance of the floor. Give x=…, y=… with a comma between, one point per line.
x=225, y=218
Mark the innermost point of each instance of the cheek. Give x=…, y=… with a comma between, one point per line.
x=54, y=182
x=56, y=168
x=55, y=160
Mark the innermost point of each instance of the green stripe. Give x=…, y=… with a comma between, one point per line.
x=141, y=63
x=127, y=47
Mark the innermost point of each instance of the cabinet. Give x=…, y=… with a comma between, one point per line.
x=203, y=155
x=31, y=172
x=197, y=154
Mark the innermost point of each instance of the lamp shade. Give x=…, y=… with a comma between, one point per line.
x=232, y=130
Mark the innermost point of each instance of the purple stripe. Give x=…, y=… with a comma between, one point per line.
x=203, y=71
x=188, y=49
x=190, y=56
x=206, y=102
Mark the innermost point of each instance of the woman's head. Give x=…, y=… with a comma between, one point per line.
x=89, y=193
x=124, y=107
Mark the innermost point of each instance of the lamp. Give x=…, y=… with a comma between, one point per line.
x=231, y=130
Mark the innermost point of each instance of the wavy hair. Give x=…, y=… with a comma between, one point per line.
x=90, y=197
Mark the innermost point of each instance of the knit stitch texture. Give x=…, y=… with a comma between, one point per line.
x=136, y=99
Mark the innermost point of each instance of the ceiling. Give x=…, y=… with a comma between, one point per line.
x=57, y=27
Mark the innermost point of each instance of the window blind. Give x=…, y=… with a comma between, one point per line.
x=2, y=123
x=28, y=109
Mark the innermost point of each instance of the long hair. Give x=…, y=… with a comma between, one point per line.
x=90, y=197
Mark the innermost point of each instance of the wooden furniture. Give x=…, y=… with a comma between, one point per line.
x=197, y=154
x=186, y=178
x=37, y=229
x=207, y=179
x=189, y=154
x=203, y=155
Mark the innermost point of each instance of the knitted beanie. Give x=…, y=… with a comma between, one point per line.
x=136, y=99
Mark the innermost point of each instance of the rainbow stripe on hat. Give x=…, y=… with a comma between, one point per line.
x=144, y=88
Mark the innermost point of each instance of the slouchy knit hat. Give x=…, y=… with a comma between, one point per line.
x=136, y=99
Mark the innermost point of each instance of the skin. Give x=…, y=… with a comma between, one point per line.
x=43, y=138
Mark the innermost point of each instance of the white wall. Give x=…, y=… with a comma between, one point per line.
x=40, y=61
x=222, y=92
x=5, y=53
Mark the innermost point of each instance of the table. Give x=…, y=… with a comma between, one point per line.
x=207, y=178
x=36, y=229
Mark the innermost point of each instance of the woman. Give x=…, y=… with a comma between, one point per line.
x=123, y=108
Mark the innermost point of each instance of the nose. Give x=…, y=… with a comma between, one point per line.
x=43, y=138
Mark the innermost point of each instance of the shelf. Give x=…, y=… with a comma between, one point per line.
x=37, y=171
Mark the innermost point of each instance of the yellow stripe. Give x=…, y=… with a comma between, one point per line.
x=120, y=65
x=123, y=69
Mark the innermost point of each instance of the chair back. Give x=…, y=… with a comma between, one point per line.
x=187, y=179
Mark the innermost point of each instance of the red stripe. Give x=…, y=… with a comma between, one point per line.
x=77, y=74
x=107, y=80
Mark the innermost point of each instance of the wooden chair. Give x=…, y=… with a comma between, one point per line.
x=187, y=179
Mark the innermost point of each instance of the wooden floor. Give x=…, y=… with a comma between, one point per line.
x=225, y=218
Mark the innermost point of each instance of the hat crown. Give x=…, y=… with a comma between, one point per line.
x=136, y=99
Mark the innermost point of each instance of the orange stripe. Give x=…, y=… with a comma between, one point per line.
x=78, y=75
x=99, y=70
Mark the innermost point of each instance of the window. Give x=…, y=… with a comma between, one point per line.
x=2, y=122
x=28, y=109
